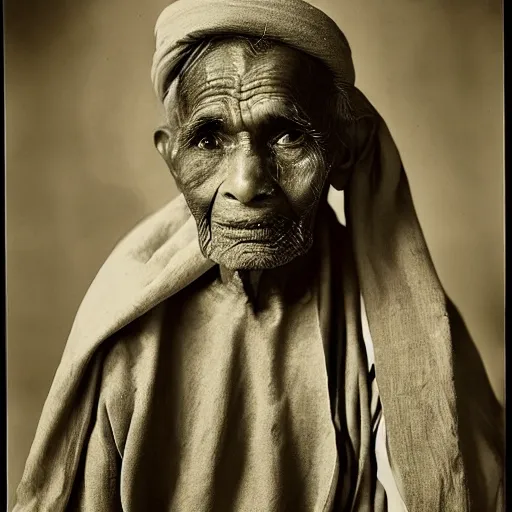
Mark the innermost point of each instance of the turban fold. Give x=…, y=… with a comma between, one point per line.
x=293, y=22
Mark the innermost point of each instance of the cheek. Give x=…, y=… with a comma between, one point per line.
x=302, y=180
x=198, y=178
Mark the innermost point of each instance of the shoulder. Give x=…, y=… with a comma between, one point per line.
x=140, y=255
x=139, y=259
x=152, y=232
x=156, y=259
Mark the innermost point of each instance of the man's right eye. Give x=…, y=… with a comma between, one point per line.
x=208, y=142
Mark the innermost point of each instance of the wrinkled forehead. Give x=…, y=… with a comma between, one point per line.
x=246, y=70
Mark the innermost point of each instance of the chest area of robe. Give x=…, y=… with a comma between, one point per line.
x=237, y=413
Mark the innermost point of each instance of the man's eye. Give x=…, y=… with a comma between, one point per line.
x=208, y=142
x=289, y=138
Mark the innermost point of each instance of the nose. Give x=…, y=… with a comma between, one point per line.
x=247, y=182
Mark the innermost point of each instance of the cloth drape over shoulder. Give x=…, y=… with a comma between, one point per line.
x=443, y=423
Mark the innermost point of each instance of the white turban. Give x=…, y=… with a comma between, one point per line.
x=293, y=22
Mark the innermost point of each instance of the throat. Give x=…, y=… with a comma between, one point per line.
x=288, y=282
x=245, y=281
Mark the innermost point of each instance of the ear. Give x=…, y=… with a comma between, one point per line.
x=355, y=147
x=162, y=139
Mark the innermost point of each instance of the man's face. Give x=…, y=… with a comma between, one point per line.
x=248, y=152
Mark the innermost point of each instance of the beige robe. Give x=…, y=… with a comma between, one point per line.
x=173, y=397
x=212, y=403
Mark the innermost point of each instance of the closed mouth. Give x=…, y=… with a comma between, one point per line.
x=245, y=224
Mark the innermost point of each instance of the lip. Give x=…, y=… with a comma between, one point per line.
x=244, y=224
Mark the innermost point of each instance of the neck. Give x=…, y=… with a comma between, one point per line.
x=288, y=281
x=246, y=280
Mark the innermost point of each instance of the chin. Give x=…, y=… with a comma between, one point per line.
x=264, y=248
x=254, y=256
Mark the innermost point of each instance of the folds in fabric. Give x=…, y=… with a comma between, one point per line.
x=422, y=355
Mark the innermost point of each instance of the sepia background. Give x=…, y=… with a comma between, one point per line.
x=82, y=170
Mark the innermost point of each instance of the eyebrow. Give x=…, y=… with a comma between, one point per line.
x=291, y=116
x=283, y=120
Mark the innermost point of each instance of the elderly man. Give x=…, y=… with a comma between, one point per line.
x=240, y=349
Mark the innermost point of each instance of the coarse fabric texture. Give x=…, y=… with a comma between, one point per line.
x=293, y=22
x=443, y=423
x=284, y=411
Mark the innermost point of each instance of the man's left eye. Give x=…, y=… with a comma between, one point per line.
x=289, y=138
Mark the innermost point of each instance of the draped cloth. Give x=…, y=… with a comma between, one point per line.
x=443, y=423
